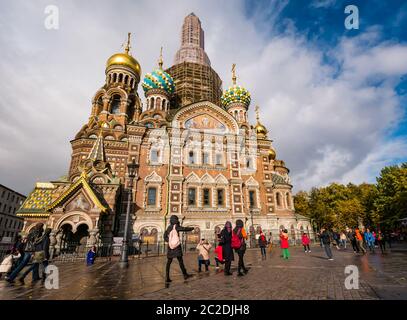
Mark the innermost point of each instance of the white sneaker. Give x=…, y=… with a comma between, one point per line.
x=216, y=267
x=330, y=259
x=309, y=250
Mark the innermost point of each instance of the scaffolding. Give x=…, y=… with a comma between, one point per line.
x=195, y=82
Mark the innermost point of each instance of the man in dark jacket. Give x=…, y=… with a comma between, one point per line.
x=352, y=238
x=326, y=242
x=176, y=252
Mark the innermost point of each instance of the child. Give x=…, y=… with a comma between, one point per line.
x=90, y=257
x=284, y=243
x=7, y=264
x=203, y=256
x=219, y=256
x=305, y=242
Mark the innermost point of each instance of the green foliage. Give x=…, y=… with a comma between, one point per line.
x=339, y=206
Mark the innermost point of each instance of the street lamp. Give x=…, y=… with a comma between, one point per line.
x=131, y=171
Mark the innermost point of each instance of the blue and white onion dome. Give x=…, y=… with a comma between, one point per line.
x=158, y=79
x=235, y=93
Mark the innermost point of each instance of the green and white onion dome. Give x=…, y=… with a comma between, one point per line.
x=236, y=94
x=158, y=79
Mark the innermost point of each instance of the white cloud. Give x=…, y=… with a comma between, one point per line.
x=328, y=122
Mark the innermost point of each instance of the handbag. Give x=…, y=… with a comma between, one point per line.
x=39, y=256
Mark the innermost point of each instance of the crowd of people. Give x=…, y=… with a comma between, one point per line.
x=27, y=255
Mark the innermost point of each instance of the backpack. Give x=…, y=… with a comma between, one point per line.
x=173, y=239
x=236, y=241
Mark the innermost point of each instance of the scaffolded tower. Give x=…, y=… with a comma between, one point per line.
x=193, y=76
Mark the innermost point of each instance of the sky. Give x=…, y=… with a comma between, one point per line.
x=333, y=99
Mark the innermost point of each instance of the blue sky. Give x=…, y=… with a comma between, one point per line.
x=334, y=100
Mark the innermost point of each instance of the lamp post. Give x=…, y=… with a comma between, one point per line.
x=252, y=231
x=131, y=171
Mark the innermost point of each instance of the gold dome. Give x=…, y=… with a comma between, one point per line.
x=260, y=129
x=272, y=153
x=124, y=59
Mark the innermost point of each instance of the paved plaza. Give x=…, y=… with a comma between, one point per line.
x=304, y=276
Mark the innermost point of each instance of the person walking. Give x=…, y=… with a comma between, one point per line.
x=28, y=245
x=335, y=238
x=174, y=250
x=203, y=248
x=326, y=242
x=305, y=242
x=91, y=256
x=40, y=257
x=284, y=243
x=381, y=241
x=263, y=245
x=226, y=243
x=342, y=239
x=352, y=238
x=369, y=239
x=359, y=240
x=239, y=235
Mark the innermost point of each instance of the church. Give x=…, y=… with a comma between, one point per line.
x=195, y=153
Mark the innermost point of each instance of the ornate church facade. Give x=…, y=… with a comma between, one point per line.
x=196, y=153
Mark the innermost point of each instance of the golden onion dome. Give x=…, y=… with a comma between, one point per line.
x=272, y=153
x=260, y=129
x=124, y=59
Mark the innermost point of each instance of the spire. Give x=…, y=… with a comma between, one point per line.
x=257, y=114
x=98, y=151
x=234, y=73
x=192, y=42
x=127, y=48
x=160, y=60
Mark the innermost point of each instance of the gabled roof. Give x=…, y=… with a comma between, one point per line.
x=82, y=182
x=37, y=201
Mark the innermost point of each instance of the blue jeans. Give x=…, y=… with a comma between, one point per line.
x=20, y=266
x=203, y=262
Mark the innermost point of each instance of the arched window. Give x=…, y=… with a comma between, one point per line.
x=152, y=196
x=126, y=79
x=120, y=77
x=164, y=105
x=287, y=196
x=115, y=105
x=191, y=157
x=131, y=82
x=152, y=103
x=278, y=196
x=114, y=77
x=158, y=103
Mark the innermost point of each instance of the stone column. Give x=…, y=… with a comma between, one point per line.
x=52, y=243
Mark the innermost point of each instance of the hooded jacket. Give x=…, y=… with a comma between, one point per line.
x=177, y=252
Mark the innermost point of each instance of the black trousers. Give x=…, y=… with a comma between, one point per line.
x=382, y=245
x=181, y=265
x=240, y=264
x=306, y=247
x=263, y=251
x=354, y=245
x=228, y=263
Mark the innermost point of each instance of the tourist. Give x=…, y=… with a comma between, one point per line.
x=359, y=240
x=370, y=240
x=284, y=243
x=381, y=241
x=40, y=257
x=262, y=244
x=335, y=237
x=219, y=256
x=305, y=242
x=91, y=256
x=241, y=235
x=352, y=238
x=226, y=243
x=203, y=248
x=171, y=236
x=6, y=265
x=28, y=251
x=326, y=242
x=342, y=239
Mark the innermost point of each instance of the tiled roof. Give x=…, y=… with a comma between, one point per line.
x=277, y=179
x=38, y=199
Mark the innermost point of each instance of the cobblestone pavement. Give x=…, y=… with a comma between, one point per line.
x=303, y=276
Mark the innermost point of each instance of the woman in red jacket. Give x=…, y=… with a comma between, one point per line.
x=305, y=242
x=284, y=243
